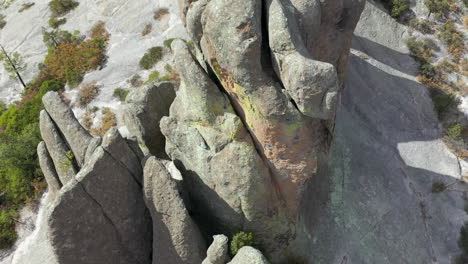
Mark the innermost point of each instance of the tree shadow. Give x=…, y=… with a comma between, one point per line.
x=374, y=202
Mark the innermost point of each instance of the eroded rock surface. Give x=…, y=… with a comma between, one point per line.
x=249, y=255
x=218, y=252
x=144, y=109
x=95, y=211
x=176, y=237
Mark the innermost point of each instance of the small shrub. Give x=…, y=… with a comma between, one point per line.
x=454, y=131
x=160, y=14
x=2, y=21
x=240, y=240
x=398, y=7
x=446, y=66
x=454, y=39
x=13, y=63
x=99, y=31
x=136, y=81
x=421, y=25
x=168, y=42
x=70, y=61
x=463, y=67
x=420, y=49
x=426, y=69
x=153, y=77
x=443, y=103
x=438, y=187
x=87, y=121
x=62, y=7
x=7, y=228
x=108, y=121
x=56, y=37
x=121, y=94
x=151, y=57
x=50, y=85
x=148, y=28
x=88, y=93
x=66, y=163
x=25, y=7
x=440, y=8
x=56, y=22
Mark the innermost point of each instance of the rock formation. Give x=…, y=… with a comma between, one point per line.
x=270, y=132
x=95, y=211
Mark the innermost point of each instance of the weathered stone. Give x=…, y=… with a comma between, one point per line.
x=176, y=238
x=290, y=142
x=228, y=182
x=58, y=149
x=218, y=251
x=48, y=168
x=117, y=147
x=144, y=109
x=77, y=137
x=376, y=201
x=249, y=255
x=99, y=215
x=312, y=85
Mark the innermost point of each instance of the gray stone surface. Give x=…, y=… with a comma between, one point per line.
x=99, y=215
x=58, y=149
x=176, y=237
x=48, y=168
x=376, y=195
x=77, y=137
x=144, y=109
x=312, y=85
x=218, y=252
x=230, y=186
x=249, y=255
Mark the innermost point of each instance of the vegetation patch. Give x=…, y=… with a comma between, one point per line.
x=168, y=42
x=422, y=25
x=88, y=93
x=151, y=57
x=440, y=8
x=14, y=64
x=160, y=14
x=444, y=103
x=25, y=7
x=62, y=7
x=121, y=94
x=148, y=28
x=136, y=81
x=453, y=38
x=7, y=228
x=99, y=31
x=438, y=187
x=56, y=22
x=2, y=21
x=240, y=240
x=398, y=8
x=70, y=61
x=108, y=121
x=21, y=179
x=153, y=77
x=454, y=131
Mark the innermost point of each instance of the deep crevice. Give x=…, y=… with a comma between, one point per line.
x=124, y=166
x=108, y=218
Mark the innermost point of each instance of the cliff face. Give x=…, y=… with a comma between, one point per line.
x=286, y=124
